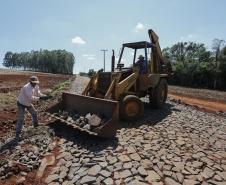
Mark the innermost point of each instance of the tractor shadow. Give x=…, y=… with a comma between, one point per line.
x=89, y=143
x=85, y=142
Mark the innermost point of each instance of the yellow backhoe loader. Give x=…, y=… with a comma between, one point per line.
x=109, y=95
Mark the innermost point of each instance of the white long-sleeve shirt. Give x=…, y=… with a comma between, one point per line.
x=29, y=94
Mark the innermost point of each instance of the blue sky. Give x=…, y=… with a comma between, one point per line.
x=85, y=27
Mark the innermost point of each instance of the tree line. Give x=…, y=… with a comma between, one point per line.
x=194, y=66
x=89, y=74
x=55, y=61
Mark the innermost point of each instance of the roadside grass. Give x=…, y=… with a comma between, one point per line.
x=62, y=86
x=7, y=99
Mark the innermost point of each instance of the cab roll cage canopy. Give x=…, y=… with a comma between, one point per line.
x=139, y=45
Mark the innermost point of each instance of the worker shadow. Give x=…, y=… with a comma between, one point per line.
x=82, y=140
x=151, y=116
x=9, y=144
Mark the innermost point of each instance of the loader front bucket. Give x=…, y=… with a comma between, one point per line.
x=84, y=105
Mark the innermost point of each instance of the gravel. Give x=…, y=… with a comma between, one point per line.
x=173, y=145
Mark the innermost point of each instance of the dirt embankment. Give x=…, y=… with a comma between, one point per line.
x=206, y=99
x=209, y=105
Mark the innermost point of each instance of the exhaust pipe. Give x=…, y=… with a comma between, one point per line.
x=113, y=61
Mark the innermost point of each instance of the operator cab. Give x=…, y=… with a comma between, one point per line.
x=141, y=47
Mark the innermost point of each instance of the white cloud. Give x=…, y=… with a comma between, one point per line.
x=139, y=27
x=131, y=53
x=78, y=40
x=86, y=55
x=188, y=38
x=89, y=56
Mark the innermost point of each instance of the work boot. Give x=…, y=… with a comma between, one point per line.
x=17, y=135
x=37, y=125
x=17, y=139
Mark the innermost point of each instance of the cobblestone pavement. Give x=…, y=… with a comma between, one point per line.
x=174, y=145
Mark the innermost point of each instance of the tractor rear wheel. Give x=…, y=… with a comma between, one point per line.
x=160, y=94
x=131, y=108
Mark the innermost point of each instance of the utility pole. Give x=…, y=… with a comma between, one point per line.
x=104, y=56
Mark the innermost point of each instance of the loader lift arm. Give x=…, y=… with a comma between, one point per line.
x=155, y=40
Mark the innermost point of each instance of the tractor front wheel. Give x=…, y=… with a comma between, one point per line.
x=131, y=108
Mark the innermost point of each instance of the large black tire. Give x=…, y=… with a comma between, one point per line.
x=131, y=108
x=160, y=94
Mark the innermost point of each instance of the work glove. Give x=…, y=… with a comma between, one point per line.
x=46, y=97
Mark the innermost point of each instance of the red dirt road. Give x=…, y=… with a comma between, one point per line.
x=209, y=105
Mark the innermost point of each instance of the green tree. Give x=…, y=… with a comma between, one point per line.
x=222, y=69
x=7, y=61
x=91, y=72
x=185, y=60
x=217, y=47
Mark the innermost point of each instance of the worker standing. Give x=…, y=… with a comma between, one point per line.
x=142, y=63
x=28, y=94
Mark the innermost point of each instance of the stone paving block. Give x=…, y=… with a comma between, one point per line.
x=209, y=172
x=190, y=182
x=170, y=181
x=116, y=175
x=124, y=174
x=135, y=157
x=51, y=178
x=127, y=165
x=105, y=173
x=88, y=179
x=152, y=176
x=94, y=170
x=131, y=150
x=222, y=174
x=179, y=165
x=124, y=158
x=146, y=163
x=142, y=171
x=108, y=181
